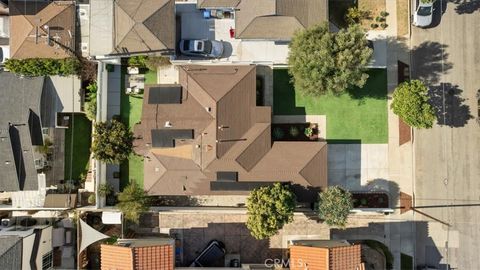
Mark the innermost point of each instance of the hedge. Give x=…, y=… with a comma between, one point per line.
x=43, y=66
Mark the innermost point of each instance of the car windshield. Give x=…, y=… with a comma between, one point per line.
x=424, y=11
x=186, y=45
x=208, y=46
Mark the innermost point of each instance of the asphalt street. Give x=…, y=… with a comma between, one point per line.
x=447, y=164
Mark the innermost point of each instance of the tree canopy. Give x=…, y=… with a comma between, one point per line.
x=269, y=208
x=323, y=62
x=133, y=201
x=334, y=206
x=112, y=142
x=411, y=104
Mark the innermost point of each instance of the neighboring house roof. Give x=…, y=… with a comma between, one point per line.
x=277, y=19
x=11, y=252
x=138, y=254
x=230, y=133
x=20, y=130
x=42, y=29
x=325, y=255
x=144, y=25
x=217, y=3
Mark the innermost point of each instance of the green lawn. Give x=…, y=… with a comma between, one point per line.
x=77, y=146
x=359, y=114
x=131, y=112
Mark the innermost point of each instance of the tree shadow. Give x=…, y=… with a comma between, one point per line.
x=466, y=6
x=387, y=186
x=449, y=105
x=429, y=61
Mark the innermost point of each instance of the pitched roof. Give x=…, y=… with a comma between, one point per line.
x=326, y=256
x=277, y=19
x=144, y=25
x=42, y=29
x=230, y=133
x=20, y=113
x=138, y=254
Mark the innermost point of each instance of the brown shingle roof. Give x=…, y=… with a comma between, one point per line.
x=277, y=19
x=144, y=25
x=325, y=258
x=230, y=134
x=31, y=24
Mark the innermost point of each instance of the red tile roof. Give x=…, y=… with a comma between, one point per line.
x=324, y=258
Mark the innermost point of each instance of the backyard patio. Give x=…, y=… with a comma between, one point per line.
x=358, y=115
x=130, y=113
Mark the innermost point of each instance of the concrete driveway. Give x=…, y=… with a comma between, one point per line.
x=447, y=164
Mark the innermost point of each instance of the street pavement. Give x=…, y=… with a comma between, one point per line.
x=447, y=163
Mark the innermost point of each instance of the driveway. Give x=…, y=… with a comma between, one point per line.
x=447, y=164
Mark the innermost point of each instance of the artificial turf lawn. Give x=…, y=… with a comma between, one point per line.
x=77, y=146
x=358, y=115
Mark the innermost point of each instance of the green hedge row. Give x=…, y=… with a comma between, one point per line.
x=43, y=66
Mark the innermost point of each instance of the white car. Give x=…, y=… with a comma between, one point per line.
x=423, y=15
x=203, y=47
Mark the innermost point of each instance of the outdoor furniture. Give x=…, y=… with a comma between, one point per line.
x=128, y=91
x=136, y=81
x=133, y=70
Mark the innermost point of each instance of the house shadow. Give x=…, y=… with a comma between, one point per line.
x=449, y=105
x=284, y=94
x=236, y=238
x=227, y=49
x=466, y=6
x=415, y=238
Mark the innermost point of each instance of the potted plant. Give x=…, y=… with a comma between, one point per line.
x=309, y=132
x=278, y=133
x=294, y=131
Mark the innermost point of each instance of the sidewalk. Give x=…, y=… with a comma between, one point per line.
x=402, y=238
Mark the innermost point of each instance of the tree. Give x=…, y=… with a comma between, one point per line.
x=322, y=62
x=355, y=15
x=411, y=104
x=43, y=66
x=132, y=202
x=334, y=206
x=269, y=208
x=112, y=142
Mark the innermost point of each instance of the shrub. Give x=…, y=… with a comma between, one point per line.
x=278, y=133
x=43, y=66
x=379, y=19
x=412, y=104
x=91, y=199
x=308, y=132
x=269, y=209
x=355, y=15
x=384, y=14
x=383, y=25
x=105, y=189
x=334, y=206
x=45, y=149
x=138, y=61
x=294, y=131
x=91, y=103
x=374, y=25
x=88, y=70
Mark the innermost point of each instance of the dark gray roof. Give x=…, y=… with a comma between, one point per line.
x=11, y=252
x=20, y=129
x=167, y=137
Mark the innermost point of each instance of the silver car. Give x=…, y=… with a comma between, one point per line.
x=203, y=48
x=423, y=15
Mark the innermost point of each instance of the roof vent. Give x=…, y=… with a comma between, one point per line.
x=168, y=124
x=208, y=109
x=7, y=162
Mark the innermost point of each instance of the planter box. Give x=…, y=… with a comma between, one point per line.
x=293, y=132
x=370, y=200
